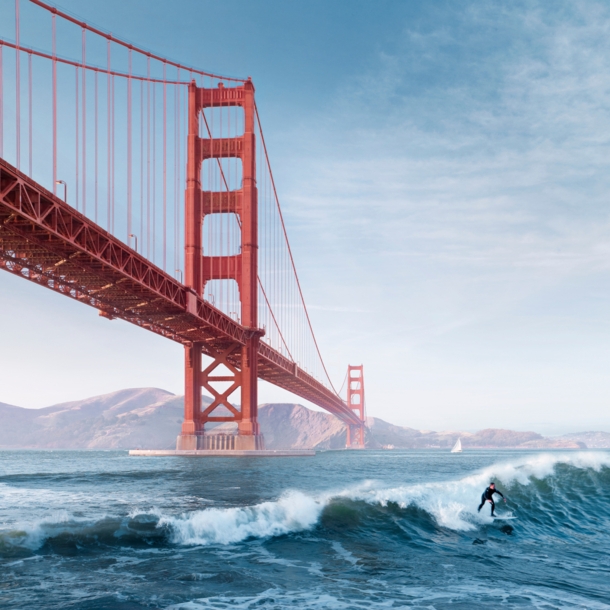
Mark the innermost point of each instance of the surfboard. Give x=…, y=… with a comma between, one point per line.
x=503, y=518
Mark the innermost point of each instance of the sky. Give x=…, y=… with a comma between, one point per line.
x=443, y=172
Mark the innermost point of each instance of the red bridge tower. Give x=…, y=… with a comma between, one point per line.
x=238, y=363
x=355, y=401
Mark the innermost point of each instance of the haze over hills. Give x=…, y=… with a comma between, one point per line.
x=150, y=418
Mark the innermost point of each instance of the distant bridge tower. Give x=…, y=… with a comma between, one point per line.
x=355, y=401
x=234, y=365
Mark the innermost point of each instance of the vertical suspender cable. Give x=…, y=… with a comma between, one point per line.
x=108, y=151
x=282, y=296
x=174, y=202
x=30, y=136
x=154, y=173
x=265, y=226
x=54, y=103
x=182, y=114
x=96, y=147
x=142, y=165
x=273, y=262
x=112, y=159
x=176, y=146
x=212, y=224
x=164, y=166
x=84, y=100
x=178, y=174
x=276, y=272
x=287, y=301
x=148, y=159
x=77, y=156
x=219, y=226
x=1, y=104
x=283, y=291
x=262, y=253
x=129, y=151
x=17, y=87
x=186, y=114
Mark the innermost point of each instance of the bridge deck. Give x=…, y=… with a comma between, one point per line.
x=46, y=241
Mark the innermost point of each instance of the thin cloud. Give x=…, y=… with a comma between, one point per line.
x=460, y=190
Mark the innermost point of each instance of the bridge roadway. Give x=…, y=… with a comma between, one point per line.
x=48, y=242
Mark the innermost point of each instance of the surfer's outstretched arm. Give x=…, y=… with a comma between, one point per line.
x=499, y=492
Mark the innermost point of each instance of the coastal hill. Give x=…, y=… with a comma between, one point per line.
x=150, y=418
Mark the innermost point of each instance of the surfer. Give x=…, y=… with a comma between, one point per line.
x=488, y=497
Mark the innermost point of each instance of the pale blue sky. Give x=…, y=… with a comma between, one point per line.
x=443, y=170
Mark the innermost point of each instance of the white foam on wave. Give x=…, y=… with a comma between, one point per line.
x=543, y=465
x=293, y=512
x=448, y=502
x=453, y=504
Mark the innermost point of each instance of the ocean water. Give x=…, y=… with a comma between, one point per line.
x=345, y=529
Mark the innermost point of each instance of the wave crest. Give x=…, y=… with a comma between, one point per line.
x=293, y=512
x=448, y=504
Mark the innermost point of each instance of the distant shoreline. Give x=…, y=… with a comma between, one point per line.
x=150, y=418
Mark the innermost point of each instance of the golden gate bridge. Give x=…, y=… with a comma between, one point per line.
x=142, y=187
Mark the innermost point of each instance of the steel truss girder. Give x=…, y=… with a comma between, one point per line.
x=44, y=240
x=55, y=240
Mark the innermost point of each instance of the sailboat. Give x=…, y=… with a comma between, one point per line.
x=457, y=448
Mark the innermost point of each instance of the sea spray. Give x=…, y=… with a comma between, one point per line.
x=293, y=512
x=451, y=503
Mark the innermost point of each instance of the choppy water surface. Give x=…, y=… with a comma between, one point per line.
x=341, y=530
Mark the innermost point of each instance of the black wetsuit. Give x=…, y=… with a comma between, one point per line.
x=488, y=495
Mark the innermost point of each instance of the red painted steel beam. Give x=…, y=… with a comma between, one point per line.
x=221, y=96
x=221, y=202
x=53, y=239
x=220, y=148
x=44, y=240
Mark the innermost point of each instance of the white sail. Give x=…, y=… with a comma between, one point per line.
x=457, y=448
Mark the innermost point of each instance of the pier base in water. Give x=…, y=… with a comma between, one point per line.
x=220, y=442
x=222, y=453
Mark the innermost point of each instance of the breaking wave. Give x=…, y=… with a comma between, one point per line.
x=293, y=512
x=566, y=489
